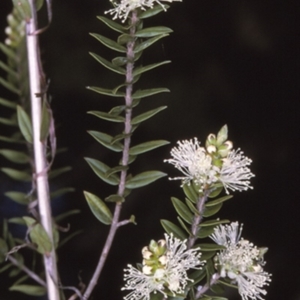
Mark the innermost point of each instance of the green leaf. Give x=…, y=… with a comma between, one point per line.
x=106, y=92
x=98, y=208
x=222, y=135
x=152, y=31
x=8, y=51
x=146, y=93
x=215, y=192
x=66, y=214
x=170, y=227
x=143, y=179
x=218, y=201
x=114, y=198
x=184, y=226
x=24, y=124
x=100, y=170
x=46, y=119
x=217, y=289
x=10, y=140
x=147, y=115
x=208, y=255
x=3, y=250
x=210, y=211
x=108, y=64
x=124, y=38
x=33, y=290
x=206, y=247
x=117, y=110
x=38, y=235
x=61, y=192
x=153, y=11
x=205, y=232
x=140, y=70
x=57, y=172
x=119, y=61
x=116, y=170
x=142, y=46
x=8, y=122
x=15, y=156
x=182, y=210
x=8, y=70
x=190, y=192
x=109, y=43
x=106, y=140
x=9, y=86
x=197, y=276
x=113, y=25
x=6, y=267
x=19, y=221
x=8, y=103
x=16, y=174
x=18, y=197
x=191, y=206
x=147, y=146
x=107, y=116
x=69, y=237
x=213, y=223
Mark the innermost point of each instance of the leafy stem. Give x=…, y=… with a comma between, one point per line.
x=125, y=156
x=213, y=280
x=197, y=220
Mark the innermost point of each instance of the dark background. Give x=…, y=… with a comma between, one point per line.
x=233, y=62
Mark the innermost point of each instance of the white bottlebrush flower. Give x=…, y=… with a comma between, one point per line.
x=167, y=275
x=122, y=8
x=193, y=161
x=235, y=174
x=240, y=261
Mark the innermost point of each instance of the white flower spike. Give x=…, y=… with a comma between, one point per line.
x=122, y=8
x=241, y=261
x=164, y=270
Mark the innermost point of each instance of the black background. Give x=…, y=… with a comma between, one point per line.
x=233, y=62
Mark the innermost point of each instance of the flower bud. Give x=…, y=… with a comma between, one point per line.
x=222, y=135
x=211, y=149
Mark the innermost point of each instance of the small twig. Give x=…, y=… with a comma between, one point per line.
x=31, y=274
x=213, y=280
x=122, y=223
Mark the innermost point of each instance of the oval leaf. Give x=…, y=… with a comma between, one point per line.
x=109, y=43
x=170, y=227
x=17, y=175
x=147, y=146
x=107, y=116
x=106, y=140
x=98, y=208
x=142, y=46
x=152, y=31
x=218, y=201
x=113, y=25
x=141, y=70
x=146, y=93
x=24, y=124
x=18, y=197
x=153, y=11
x=147, y=115
x=143, y=179
x=106, y=92
x=15, y=156
x=182, y=210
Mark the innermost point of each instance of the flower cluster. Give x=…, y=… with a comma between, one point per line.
x=122, y=8
x=217, y=163
x=241, y=261
x=164, y=270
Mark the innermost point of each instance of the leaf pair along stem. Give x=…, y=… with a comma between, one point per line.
x=125, y=157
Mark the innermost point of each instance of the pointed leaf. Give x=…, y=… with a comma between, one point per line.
x=109, y=43
x=140, y=70
x=106, y=92
x=108, y=64
x=147, y=115
x=153, y=11
x=146, y=93
x=8, y=51
x=170, y=227
x=143, y=179
x=24, y=124
x=115, y=170
x=190, y=192
x=124, y=38
x=147, y=43
x=153, y=31
x=9, y=86
x=191, y=206
x=98, y=208
x=10, y=140
x=114, y=198
x=18, y=197
x=100, y=170
x=38, y=235
x=113, y=25
x=61, y=192
x=119, y=61
x=56, y=172
x=106, y=140
x=214, y=223
x=182, y=210
x=205, y=232
x=9, y=122
x=66, y=214
x=205, y=247
x=8, y=103
x=8, y=70
x=16, y=174
x=147, y=146
x=210, y=211
x=33, y=290
x=184, y=226
x=217, y=201
x=15, y=156
x=19, y=221
x=117, y=110
x=107, y=116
